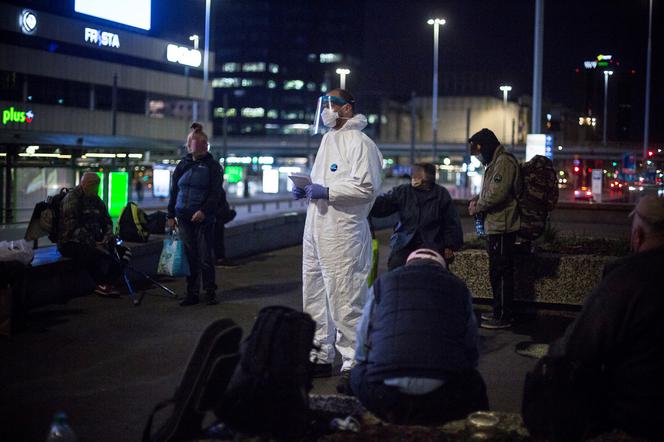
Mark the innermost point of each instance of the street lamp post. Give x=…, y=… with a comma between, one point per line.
x=646, y=116
x=606, y=96
x=194, y=105
x=342, y=74
x=206, y=61
x=436, y=22
x=506, y=90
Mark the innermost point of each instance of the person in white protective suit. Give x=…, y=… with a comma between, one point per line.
x=345, y=180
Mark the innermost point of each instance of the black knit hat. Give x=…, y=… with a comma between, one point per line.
x=485, y=137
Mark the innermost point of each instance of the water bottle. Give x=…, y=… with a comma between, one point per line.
x=479, y=225
x=60, y=430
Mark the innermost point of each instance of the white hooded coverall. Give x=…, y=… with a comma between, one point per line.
x=337, y=241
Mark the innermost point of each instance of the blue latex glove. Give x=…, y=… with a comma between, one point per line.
x=317, y=192
x=298, y=193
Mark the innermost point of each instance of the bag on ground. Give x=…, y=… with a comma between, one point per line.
x=156, y=222
x=132, y=224
x=269, y=391
x=173, y=259
x=537, y=196
x=204, y=381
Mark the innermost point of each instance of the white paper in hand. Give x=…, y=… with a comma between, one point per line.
x=300, y=180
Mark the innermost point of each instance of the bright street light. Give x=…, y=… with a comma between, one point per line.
x=607, y=74
x=506, y=90
x=436, y=22
x=342, y=74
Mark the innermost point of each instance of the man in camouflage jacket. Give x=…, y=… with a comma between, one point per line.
x=85, y=233
x=498, y=205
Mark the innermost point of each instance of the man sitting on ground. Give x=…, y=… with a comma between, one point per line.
x=417, y=347
x=86, y=233
x=618, y=335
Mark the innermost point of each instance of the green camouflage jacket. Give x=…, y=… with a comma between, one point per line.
x=83, y=219
x=497, y=199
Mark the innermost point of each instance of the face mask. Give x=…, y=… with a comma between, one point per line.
x=330, y=117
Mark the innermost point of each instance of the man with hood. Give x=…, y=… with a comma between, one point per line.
x=346, y=178
x=498, y=205
x=195, y=192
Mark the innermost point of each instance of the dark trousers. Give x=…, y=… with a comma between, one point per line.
x=462, y=393
x=102, y=267
x=501, y=273
x=219, y=247
x=198, y=241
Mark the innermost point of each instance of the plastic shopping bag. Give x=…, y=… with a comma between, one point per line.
x=17, y=250
x=173, y=259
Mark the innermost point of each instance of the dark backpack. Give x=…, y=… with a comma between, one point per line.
x=269, y=391
x=210, y=367
x=537, y=195
x=132, y=224
x=49, y=217
x=157, y=222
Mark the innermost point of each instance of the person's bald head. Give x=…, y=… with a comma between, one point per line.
x=90, y=183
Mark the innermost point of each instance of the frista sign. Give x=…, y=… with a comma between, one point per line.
x=11, y=115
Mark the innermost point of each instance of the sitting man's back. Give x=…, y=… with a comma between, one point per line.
x=417, y=348
x=619, y=335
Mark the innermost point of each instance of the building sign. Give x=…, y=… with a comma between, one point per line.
x=11, y=115
x=27, y=21
x=102, y=38
x=601, y=62
x=183, y=55
x=597, y=185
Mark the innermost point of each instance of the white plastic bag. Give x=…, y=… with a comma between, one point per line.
x=18, y=250
x=173, y=260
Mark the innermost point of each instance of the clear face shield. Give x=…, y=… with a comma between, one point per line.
x=326, y=115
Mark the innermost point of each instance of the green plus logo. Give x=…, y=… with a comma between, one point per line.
x=12, y=115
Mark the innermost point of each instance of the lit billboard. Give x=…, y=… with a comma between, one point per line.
x=136, y=13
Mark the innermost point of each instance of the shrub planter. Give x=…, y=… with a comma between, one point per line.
x=542, y=277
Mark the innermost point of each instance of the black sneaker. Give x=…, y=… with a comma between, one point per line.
x=486, y=316
x=211, y=298
x=225, y=263
x=496, y=324
x=343, y=386
x=189, y=300
x=321, y=370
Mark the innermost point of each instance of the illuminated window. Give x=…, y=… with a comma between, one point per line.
x=273, y=68
x=252, y=112
x=252, y=82
x=271, y=84
x=225, y=82
x=311, y=86
x=298, y=128
x=330, y=58
x=219, y=112
x=231, y=67
x=254, y=67
x=272, y=113
x=293, y=84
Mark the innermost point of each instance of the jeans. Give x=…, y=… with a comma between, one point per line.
x=501, y=273
x=462, y=393
x=198, y=241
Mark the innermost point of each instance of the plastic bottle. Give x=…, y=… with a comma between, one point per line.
x=479, y=225
x=60, y=430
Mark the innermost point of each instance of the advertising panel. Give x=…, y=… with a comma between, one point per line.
x=136, y=13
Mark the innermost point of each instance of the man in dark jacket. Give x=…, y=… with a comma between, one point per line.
x=427, y=217
x=417, y=346
x=618, y=336
x=85, y=233
x=195, y=192
x=498, y=205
